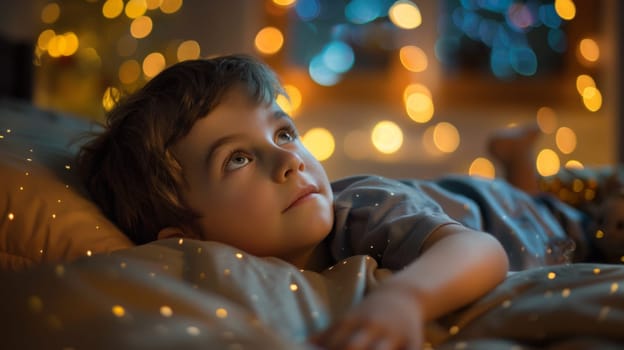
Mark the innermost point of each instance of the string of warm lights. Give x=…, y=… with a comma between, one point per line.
x=335, y=58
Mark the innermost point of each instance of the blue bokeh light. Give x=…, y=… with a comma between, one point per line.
x=320, y=73
x=557, y=40
x=363, y=11
x=308, y=10
x=338, y=56
x=523, y=60
x=499, y=63
x=548, y=15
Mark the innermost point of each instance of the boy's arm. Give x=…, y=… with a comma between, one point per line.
x=457, y=266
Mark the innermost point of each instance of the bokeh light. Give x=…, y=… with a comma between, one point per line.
x=269, y=40
x=405, y=14
x=63, y=45
x=565, y=138
x=547, y=120
x=387, y=137
x=413, y=58
x=428, y=144
x=153, y=4
x=574, y=164
x=338, y=56
x=363, y=11
x=565, y=9
x=419, y=107
x=320, y=142
x=112, y=8
x=584, y=81
x=446, y=137
x=589, y=50
x=547, y=162
x=482, y=167
x=291, y=103
x=110, y=97
x=188, y=50
x=44, y=38
x=141, y=27
x=592, y=99
x=284, y=3
x=50, y=13
x=170, y=6
x=320, y=73
x=135, y=8
x=308, y=10
x=153, y=64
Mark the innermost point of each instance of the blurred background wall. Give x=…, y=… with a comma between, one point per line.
x=399, y=88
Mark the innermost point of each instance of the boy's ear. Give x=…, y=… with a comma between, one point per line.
x=170, y=232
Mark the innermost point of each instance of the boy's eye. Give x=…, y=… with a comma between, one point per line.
x=286, y=136
x=236, y=161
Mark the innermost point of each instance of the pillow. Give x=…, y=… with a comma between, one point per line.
x=45, y=215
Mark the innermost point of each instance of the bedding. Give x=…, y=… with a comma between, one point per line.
x=194, y=294
x=71, y=280
x=44, y=214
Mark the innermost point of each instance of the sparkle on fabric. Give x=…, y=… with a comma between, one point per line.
x=118, y=311
x=11, y=216
x=552, y=275
x=294, y=287
x=192, y=330
x=565, y=292
x=35, y=304
x=221, y=313
x=603, y=313
x=166, y=311
x=614, y=287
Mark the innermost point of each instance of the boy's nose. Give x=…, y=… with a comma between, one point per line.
x=287, y=163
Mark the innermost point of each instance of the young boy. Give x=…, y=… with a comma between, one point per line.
x=202, y=151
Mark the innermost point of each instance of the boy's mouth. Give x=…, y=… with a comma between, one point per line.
x=303, y=194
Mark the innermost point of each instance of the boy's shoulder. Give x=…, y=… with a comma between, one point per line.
x=370, y=181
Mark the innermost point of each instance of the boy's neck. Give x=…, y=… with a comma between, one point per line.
x=317, y=259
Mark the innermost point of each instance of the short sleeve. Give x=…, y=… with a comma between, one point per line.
x=383, y=218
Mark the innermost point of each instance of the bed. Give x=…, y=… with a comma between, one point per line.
x=71, y=280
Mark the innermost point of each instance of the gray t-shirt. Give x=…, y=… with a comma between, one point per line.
x=390, y=220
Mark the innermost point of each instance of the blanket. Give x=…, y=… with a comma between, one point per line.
x=189, y=294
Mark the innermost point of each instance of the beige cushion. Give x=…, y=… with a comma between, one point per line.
x=44, y=214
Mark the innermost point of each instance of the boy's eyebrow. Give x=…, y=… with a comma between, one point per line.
x=279, y=114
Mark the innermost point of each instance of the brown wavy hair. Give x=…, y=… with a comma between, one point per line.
x=129, y=170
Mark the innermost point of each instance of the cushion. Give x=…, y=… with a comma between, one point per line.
x=45, y=215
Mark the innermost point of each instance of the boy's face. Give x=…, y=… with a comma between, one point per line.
x=252, y=181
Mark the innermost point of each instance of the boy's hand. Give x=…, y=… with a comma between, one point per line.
x=389, y=318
